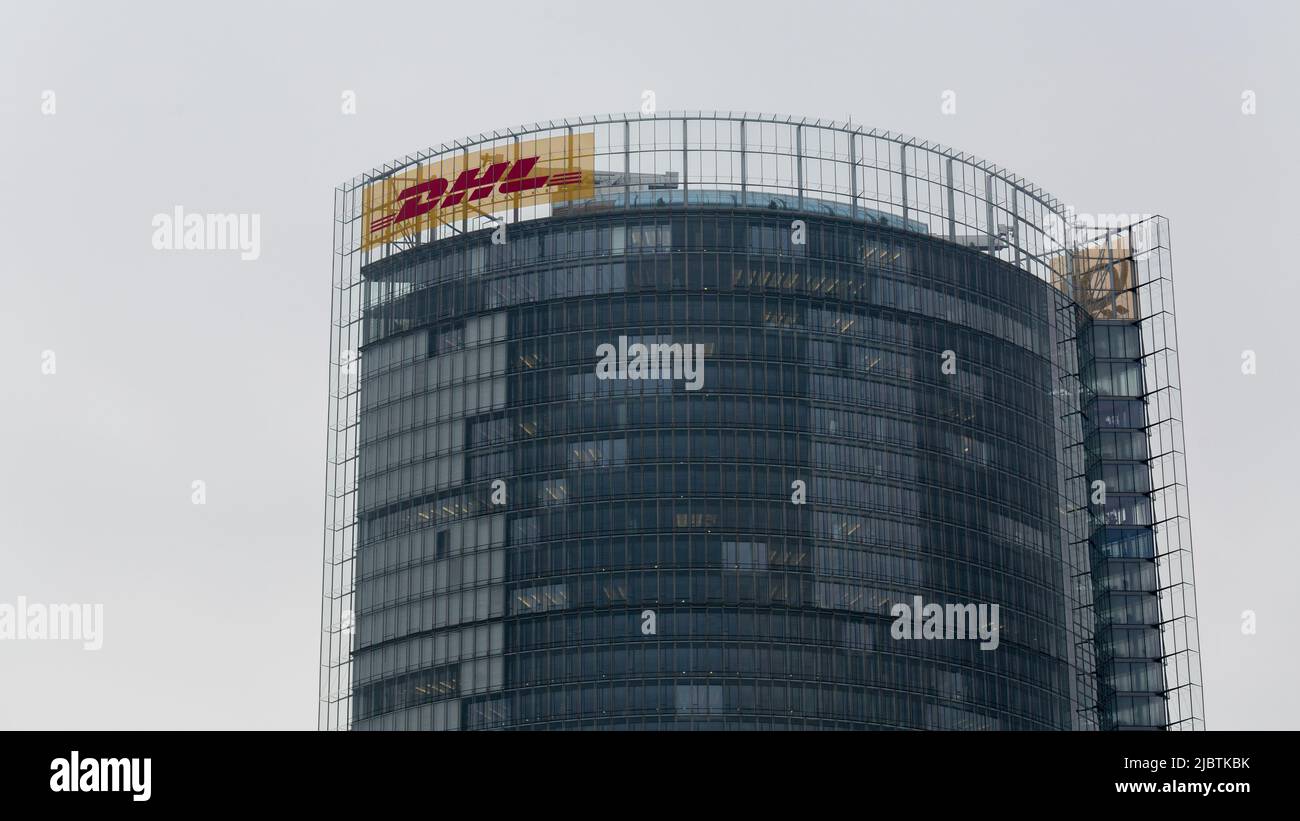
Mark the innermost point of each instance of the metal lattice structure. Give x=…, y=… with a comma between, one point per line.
x=1135, y=274
x=758, y=161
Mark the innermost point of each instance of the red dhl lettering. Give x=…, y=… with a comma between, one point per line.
x=471, y=185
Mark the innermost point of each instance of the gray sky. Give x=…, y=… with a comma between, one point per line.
x=176, y=366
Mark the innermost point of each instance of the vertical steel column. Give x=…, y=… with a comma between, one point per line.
x=686, y=160
x=902, y=159
x=518, y=197
x=464, y=218
x=744, y=168
x=853, y=174
x=798, y=158
x=988, y=209
x=952, y=207
x=627, y=164
x=1015, y=223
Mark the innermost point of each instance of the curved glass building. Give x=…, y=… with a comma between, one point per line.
x=724, y=421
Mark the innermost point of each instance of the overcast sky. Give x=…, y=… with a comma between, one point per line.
x=177, y=366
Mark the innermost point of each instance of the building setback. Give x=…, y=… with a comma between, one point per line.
x=722, y=421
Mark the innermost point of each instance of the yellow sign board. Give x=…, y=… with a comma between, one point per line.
x=479, y=183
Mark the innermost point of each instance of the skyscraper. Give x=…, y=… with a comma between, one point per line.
x=729, y=421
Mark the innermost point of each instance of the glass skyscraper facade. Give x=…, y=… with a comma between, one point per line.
x=882, y=375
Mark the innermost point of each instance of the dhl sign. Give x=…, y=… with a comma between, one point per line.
x=479, y=183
